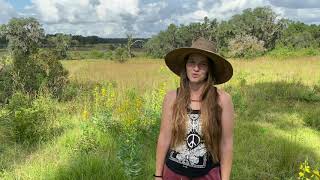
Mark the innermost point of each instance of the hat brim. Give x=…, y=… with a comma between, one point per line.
x=222, y=69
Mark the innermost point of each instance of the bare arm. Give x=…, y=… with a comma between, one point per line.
x=165, y=131
x=226, y=145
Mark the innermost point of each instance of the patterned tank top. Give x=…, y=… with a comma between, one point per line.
x=191, y=158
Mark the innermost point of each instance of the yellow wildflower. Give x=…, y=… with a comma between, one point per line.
x=85, y=114
x=301, y=174
x=307, y=169
x=103, y=92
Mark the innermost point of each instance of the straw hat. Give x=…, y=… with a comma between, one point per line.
x=222, y=69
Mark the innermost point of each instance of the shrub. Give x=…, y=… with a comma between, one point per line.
x=287, y=52
x=88, y=141
x=40, y=71
x=6, y=83
x=31, y=120
x=70, y=91
x=246, y=46
x=94, y=54
x=6, y=132
x=108, y=55
x=120, y=55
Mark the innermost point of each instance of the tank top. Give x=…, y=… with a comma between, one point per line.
x=191, y=158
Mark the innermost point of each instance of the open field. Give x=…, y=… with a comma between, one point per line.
x=113, y=116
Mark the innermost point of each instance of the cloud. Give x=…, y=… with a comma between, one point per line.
x=63, y=11
x=144, y=18
x=296, y=4
x=309, y=16
x=6, y=12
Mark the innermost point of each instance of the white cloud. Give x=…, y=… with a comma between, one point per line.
x=143, y=18
x=310, y=16
x=296, y=4
x=107, y=10
x=6, y=12
x=61, y=11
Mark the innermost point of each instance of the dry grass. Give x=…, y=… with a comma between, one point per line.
x=137, y=73
x=143, y=73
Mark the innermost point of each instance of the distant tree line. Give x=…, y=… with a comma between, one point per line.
x=79, y=40
x=251, y=33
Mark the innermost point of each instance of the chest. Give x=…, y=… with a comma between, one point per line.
x=195, y=105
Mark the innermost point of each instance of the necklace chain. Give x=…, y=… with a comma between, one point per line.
x=195, y=100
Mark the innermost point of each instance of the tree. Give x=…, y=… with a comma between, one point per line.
x=246, y=46
x=120, y=54
x=31, y=69
x=299, y=35
x=61, y=44
x=260, y=22
x=24, y=35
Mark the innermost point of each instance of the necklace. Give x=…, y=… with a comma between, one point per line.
x=195, y=100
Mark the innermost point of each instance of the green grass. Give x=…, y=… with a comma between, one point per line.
x=276, y=126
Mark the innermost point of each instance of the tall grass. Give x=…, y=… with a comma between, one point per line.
x=112, y=114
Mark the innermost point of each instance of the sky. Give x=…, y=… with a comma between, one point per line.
x=142, y=18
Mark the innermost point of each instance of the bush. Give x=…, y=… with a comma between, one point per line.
x=40, y=71
x=108, y=55
x=6, y=132
x=94, y=54
x=70, y=91
x=6, y=84
x=287, y=52
x=246, y=46
x=120, y=55
x=30, y=120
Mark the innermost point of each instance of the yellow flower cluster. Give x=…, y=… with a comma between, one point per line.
x=104, y=97
x=85, y=114
x=306, y=173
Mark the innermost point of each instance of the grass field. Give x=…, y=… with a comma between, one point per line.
x=110, y=126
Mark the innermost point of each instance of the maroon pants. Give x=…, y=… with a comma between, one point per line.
x=168, y=174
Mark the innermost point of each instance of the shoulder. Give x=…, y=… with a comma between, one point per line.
x=171, y=94
x=170, y=97
x=224, y=98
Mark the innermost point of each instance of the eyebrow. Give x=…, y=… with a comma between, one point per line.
x=201, y=61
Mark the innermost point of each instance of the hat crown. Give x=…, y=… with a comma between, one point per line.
x=202, y=43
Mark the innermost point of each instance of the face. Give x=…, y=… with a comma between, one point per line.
x=197, y=67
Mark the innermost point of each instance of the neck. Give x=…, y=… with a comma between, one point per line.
x=196, y=90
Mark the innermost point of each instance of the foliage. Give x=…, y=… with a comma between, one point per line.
x=306, y=172
x=24, y=35
x=94, y=54
x=61, y=44
x=246, y=46
x=6, y=79
x=30, y=120
x=31, y=69
x=120, y=55
x=125, y=117
x=259, y=23
x=286, y=52
x=298, y=35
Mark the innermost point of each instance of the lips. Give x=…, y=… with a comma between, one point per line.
x=195, y=75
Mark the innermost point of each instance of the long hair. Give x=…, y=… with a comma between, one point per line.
x=210, y=113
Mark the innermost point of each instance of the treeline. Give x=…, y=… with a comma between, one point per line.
x=80, y=41
x=252, y=33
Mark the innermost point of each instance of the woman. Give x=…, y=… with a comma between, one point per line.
x=196, y=133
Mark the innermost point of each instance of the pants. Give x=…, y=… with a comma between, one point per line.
x=168, y=174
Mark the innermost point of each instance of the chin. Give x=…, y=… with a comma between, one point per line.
x=196, y=81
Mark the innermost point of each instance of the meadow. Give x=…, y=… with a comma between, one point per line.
x=108, y=122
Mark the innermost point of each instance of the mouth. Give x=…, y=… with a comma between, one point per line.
x=195, y=75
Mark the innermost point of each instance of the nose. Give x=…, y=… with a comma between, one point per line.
x=196, y=67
